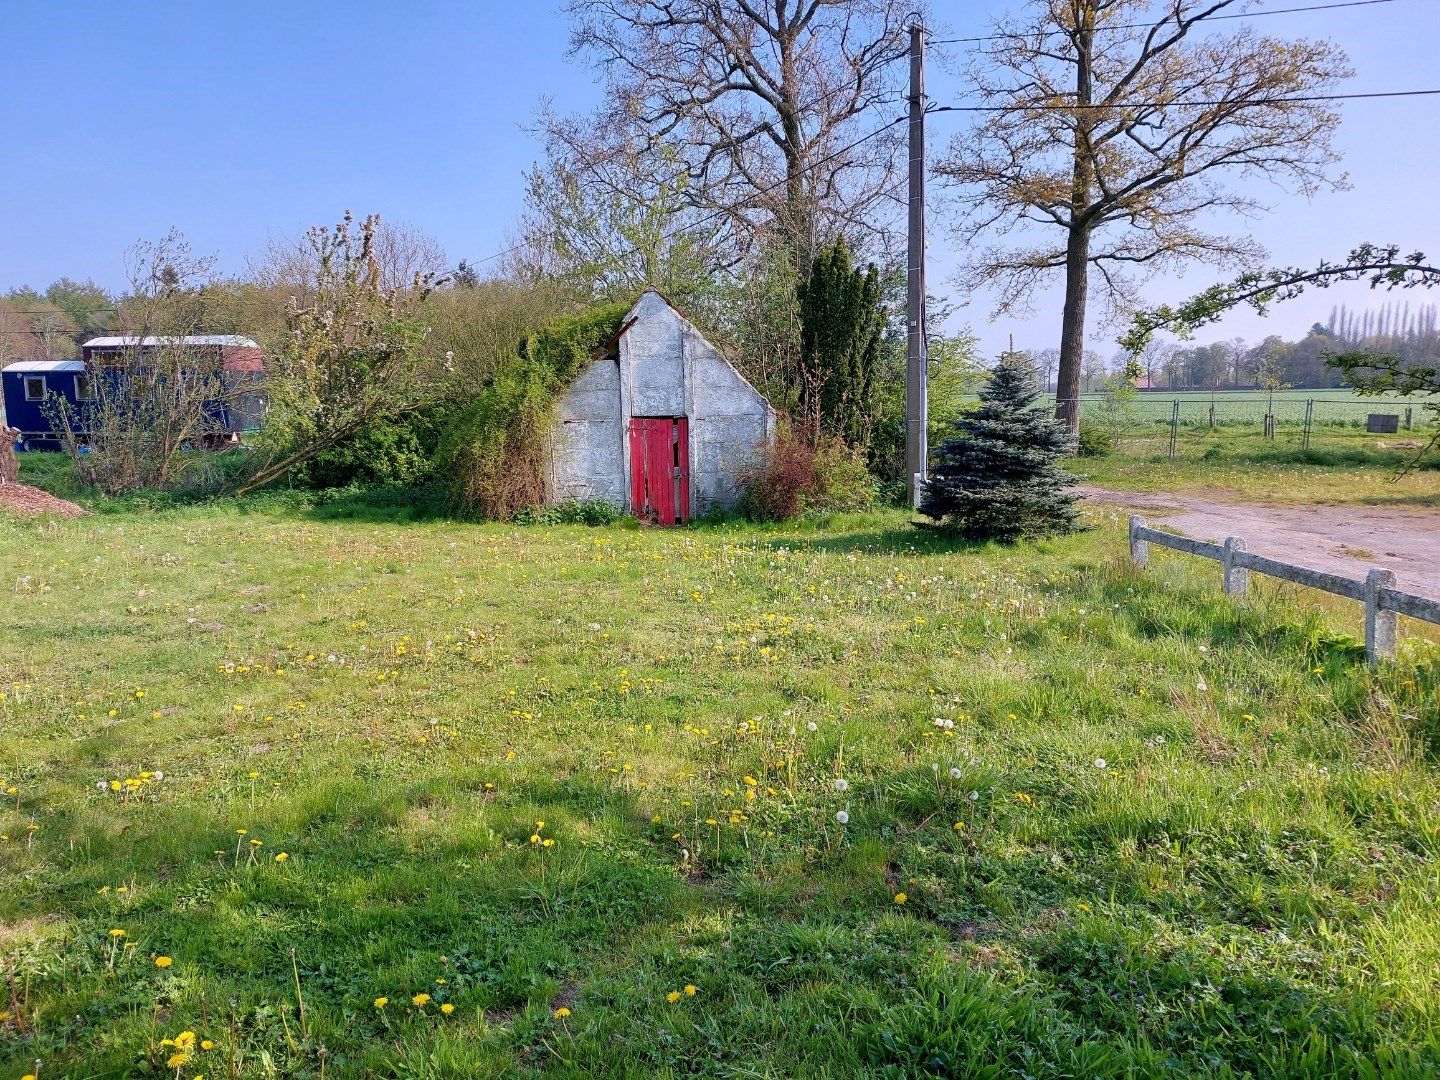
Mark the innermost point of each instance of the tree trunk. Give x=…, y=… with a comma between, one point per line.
x=1072, y=328
x=1077, y=244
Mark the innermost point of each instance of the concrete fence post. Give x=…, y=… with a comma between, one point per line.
x=1139, y=549
x=1379, y=623
x=1237, y=578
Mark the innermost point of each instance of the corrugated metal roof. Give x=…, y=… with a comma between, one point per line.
x=191, y=339
x=37, y=366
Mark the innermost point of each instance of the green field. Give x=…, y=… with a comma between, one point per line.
x=1100, y=823
x=1245, y=407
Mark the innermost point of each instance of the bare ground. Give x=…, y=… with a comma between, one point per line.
x=30, y=501
x=1345, y=540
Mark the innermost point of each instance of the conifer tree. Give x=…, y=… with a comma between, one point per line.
x=998, y=479
x=841, y=321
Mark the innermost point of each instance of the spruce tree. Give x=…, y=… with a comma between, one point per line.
x=998, y=479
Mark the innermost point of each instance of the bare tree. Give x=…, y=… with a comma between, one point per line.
x=1045, y=361
x=755, y=106
x=1114, y=124
x=18, y=340
x=612, y=227
x=400, y=250
x=354, y=356
x=158, y=394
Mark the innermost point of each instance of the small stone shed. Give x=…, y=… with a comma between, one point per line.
x=659, y=423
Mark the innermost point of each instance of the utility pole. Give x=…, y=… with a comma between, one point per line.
x=917, y=372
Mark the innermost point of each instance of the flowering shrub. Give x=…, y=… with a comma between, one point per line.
x=798, y=476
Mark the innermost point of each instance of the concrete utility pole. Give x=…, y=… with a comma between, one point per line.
x=917, y=372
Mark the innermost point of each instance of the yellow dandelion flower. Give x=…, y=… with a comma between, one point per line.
x=561, y=1013
x=117, y=933
x=420, y=1000
x=447, y=1008
x=900, y=898
x=206, y=1044
x=177, y=1061
x=691, y=989
x=381, y=1002
x=282, y=856
x=673, y=996
x=163, y=961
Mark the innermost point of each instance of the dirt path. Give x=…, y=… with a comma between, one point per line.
x=1345, y=540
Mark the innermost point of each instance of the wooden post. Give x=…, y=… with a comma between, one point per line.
x=1309, y=418
x=1379, y=623
x=1174, y=426
x=1237, y=578
x=1139, y=549
x=916, y=368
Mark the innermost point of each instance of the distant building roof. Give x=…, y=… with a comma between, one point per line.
x=191, y=339
x=38, y=366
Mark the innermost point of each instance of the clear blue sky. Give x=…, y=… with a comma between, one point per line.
x=239, y=121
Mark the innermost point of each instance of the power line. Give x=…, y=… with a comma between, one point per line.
x=722, y=212
x=1147, y=26
x=1119, y=105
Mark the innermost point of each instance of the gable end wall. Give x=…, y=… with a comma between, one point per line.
x=665, y=368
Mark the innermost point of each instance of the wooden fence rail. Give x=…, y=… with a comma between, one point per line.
x=1376, y=590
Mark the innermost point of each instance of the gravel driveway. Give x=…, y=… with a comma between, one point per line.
x=1345, y=540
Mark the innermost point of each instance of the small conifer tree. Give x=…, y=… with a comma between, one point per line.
x=998, y=479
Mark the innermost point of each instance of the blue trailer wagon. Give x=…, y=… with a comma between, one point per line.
x=28, y=383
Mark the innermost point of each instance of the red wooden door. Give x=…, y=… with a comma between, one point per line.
x=660, y=469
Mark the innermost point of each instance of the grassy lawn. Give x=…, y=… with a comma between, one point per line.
x=1251, y=469
x=1100, y=823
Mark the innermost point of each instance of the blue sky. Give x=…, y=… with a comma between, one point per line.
x=240, y=121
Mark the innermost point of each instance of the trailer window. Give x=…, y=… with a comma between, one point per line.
x=34, y=387
x=84, y=388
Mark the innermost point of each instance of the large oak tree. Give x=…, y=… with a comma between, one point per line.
x=747, y=107
x=1115, y=127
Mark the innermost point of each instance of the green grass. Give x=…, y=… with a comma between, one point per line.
x=1247, y=887
x=1339, y=407
x=1261, y=472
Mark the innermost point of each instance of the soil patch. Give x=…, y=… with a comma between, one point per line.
x=30, y=501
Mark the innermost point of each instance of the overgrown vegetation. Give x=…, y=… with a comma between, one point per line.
x=492, y=453
x=799, y=475
x=1137, y=829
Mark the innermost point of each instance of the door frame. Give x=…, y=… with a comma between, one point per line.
x=678, y=465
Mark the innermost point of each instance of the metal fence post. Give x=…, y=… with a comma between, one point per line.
x=1139, y=549
x=1237, y=578
x=1379, y=623
x=1309, y=417
x=1174, y=426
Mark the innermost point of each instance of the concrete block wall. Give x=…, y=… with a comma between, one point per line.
x=664, y=367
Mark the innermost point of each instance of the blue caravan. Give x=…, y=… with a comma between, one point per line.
x=27, y=384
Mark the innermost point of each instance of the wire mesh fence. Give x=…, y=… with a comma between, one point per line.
x=1186, y=424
